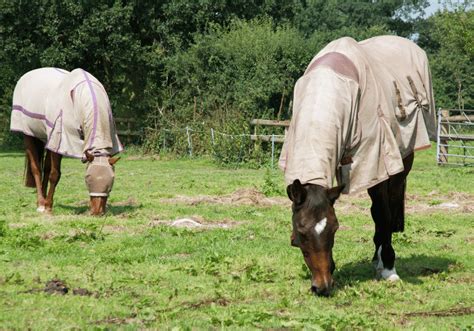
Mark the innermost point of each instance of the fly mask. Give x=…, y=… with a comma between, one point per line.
x=99, y=177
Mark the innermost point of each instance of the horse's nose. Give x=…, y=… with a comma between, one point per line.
x=325, y=292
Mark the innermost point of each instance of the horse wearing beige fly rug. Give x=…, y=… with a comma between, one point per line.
x=359, y=112
x=68, y=114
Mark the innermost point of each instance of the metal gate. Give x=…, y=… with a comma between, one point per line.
x=455, y=141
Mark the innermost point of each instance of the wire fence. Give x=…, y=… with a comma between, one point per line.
x=213, y=138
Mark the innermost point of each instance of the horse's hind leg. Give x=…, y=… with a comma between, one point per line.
x=34, y=154
x=384, y=256
x=54, y=176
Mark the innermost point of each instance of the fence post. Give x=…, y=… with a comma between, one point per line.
x=273, y=148
x=190, y=145
x=443, y=129
x=212, y=136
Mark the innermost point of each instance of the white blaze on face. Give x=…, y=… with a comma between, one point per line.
x=320, y=226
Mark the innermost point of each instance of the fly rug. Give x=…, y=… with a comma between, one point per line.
x=360, y=111
x=66, y=114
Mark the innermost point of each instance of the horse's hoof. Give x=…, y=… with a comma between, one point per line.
x=390, y=275
x=41, y=209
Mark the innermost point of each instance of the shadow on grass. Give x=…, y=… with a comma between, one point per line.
x=410, y=269
x=12, y=154
x=111, y=209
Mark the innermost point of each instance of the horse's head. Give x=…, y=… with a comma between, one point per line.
x=314, y=227
x=100, y=176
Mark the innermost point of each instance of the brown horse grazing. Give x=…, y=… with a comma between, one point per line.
x=65, y=114
x=359, y=112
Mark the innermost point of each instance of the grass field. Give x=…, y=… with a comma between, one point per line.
x=132, y=270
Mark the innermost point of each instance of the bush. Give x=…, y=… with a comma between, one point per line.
x=226, y=78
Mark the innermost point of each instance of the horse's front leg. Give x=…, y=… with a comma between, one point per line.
x=33, y=164
x=384, y=257
x=54, y=176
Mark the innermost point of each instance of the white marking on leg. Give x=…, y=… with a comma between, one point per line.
x=41, y=209
x=379, y=265
x=390, y=275
x=320, y=226
x=387, y=274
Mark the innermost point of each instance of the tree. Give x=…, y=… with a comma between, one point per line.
x=449, y=40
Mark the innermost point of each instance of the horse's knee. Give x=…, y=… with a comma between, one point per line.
x=54, y=176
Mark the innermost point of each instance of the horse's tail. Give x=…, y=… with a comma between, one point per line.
x=28, y=174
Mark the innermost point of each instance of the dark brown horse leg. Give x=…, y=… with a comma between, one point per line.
x=46, y=172
x=34, y=156
x=54, y=176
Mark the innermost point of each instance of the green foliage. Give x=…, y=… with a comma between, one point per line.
x=3, y=228
x=272, y=185
x=241, y=69
x=203, y=63
x=333, y=15
x=449, y=39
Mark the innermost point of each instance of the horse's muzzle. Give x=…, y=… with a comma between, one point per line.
x=325, y=292
x=98, y=205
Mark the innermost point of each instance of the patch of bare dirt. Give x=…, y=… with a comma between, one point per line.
x=48, y=235
x=195, y=222
x=58, y=286
x=245, y=196
x=359, y=202
x=84, y=292
x=458, y=202
x=442, y=313
x=17, y=225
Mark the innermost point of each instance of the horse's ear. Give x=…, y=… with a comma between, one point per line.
x=113, y=160
x=296, y=192
x=89, y=156
x=334, y=193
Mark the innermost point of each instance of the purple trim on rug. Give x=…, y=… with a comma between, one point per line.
x=33, y=115
x=84, y=81
x=112, y=124
x=94, y=101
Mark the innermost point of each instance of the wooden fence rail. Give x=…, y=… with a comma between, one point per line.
x=266, y=137
x=127, y=128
